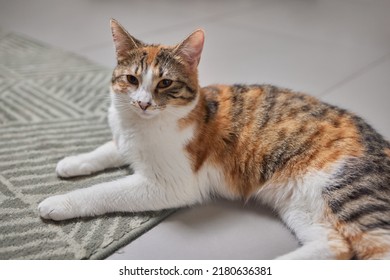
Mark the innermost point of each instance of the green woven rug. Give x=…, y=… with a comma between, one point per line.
x=53, y=104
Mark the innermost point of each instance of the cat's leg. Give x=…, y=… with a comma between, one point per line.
x=105, y=156
x=320, y=241
x=318, y=250
x=133, y=193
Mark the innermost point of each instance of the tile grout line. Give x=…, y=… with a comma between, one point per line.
x=356, y=74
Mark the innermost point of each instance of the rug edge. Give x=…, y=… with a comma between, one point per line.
x=136, y=233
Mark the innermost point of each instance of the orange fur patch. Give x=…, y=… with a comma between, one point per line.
x=340, y=247
x=387, y=152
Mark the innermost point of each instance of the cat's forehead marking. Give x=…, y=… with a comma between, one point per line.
x=147, y=64
x=147, y=61
x=152, y=53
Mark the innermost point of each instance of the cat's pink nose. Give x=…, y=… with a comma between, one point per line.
x=144, y=105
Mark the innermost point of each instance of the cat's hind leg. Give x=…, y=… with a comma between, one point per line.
x=320, y=242
x=103, y=157
x=309, y=221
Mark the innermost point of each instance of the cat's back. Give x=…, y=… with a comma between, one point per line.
x=261, y=132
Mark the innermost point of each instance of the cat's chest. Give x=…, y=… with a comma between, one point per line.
x=153, y=148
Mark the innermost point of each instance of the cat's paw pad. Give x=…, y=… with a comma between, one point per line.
x=74, y=166
x=56, y=208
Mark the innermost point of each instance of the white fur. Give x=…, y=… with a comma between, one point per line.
x=143, y=93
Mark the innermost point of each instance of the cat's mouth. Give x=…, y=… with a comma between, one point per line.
x=149, y=112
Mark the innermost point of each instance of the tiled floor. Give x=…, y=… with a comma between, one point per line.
x=338, y=50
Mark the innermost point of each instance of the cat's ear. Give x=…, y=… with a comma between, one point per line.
x=191, y=48
x=123, y=41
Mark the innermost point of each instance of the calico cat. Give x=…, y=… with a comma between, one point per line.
x=324, y=170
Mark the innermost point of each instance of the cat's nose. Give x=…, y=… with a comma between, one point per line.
x=144, y=105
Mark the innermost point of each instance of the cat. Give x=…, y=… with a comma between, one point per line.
x=324, y=170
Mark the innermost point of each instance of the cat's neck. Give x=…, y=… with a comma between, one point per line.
x=198, y=112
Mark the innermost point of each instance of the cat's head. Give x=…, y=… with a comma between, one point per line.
x=152, y=79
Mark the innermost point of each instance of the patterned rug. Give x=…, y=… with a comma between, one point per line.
x=53, y=104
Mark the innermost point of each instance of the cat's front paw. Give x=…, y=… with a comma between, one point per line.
x=56, y=208
x=74, y=166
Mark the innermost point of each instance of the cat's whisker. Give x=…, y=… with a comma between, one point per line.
x=174, y=112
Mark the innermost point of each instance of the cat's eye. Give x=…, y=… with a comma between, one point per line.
x=164, y=83
x=132, y=80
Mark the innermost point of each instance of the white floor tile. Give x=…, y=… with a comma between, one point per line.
x=336, y=22
x=222, y=230
x=235, y=54
x=77, y=24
